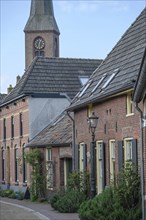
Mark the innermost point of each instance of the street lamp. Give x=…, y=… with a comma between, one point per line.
x=92, y=120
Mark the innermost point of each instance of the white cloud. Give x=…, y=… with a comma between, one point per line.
x=68, y=6
x=80, y=6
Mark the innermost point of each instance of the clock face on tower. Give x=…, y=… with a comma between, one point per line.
x=39, y=43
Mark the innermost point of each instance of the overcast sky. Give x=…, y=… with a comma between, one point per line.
x=89, y=29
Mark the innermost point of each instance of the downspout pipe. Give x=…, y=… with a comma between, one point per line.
x=141, y=159
x=73, y=141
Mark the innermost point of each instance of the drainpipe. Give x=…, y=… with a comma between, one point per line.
x=141, y=158
x=73, y=142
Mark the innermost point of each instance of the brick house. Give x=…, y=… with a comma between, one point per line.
x=45, y=89
x=55, y=141
x=108, y=93
x=139, y=98
x=41, y=94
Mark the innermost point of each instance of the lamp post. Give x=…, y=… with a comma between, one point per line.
x=92, y=120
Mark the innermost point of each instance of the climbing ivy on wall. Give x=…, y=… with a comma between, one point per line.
x=38, y=176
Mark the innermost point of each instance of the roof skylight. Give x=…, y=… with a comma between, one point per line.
x=110, y=78
x=99, y=82
x=85, y=88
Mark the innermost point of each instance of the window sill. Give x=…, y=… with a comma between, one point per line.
x=130, y=114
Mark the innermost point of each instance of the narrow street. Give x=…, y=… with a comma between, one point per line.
x=11, y=209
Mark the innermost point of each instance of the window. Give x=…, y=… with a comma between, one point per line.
x=100, y=166
x=81, y=157
x=24, y=167
x=4, y=128
x=49, y=168
x=12, y=127
x=3, y=165
x=129, y=104
x=85, y=88
x=112, y=160
x=110, y=78
x=128, y=149
x=21, y=124
x=56, y=48
x=99, y=82
x=16, y=166
x=39, y=53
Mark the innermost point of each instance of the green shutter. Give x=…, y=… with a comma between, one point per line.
x=103, y=166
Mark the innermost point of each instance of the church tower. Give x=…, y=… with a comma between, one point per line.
x=41, y=31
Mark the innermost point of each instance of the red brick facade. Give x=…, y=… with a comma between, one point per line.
x=113, y=123
x=9, y=143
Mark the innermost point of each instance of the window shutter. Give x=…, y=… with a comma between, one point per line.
x=77, y=157
x=134, y=151
x=103, y=166
x=85, y=156
x=120, y=155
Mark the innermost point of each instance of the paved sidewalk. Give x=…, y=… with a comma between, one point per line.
x=25, y=210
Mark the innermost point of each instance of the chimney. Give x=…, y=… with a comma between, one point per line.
x=9, y=89
x=17, y=79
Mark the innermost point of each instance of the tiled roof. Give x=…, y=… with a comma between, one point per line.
x=140, y=87
x=53, y=75
x=2, y=96
x=59, y=132
x=118, y=72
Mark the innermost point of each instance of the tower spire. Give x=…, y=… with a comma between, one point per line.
x=41, y=31
x=41, y=17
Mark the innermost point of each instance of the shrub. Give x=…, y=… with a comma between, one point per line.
x=122, y=201
x=100, y=207
x=69, y=202
x=6, y=192
x=76, y=192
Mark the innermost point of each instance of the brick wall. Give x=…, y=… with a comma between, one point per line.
x=112, y=124
x=18, y=141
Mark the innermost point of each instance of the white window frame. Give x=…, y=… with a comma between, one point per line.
x=128, y=149
x=49, y=168
x=99, y=168
x=112, y=159
x=129, y=107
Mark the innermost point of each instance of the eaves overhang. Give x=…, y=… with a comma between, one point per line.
x=140, y=86
x=29, y=145
x=102, y=98
x=13, y=100
x=36, y=95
